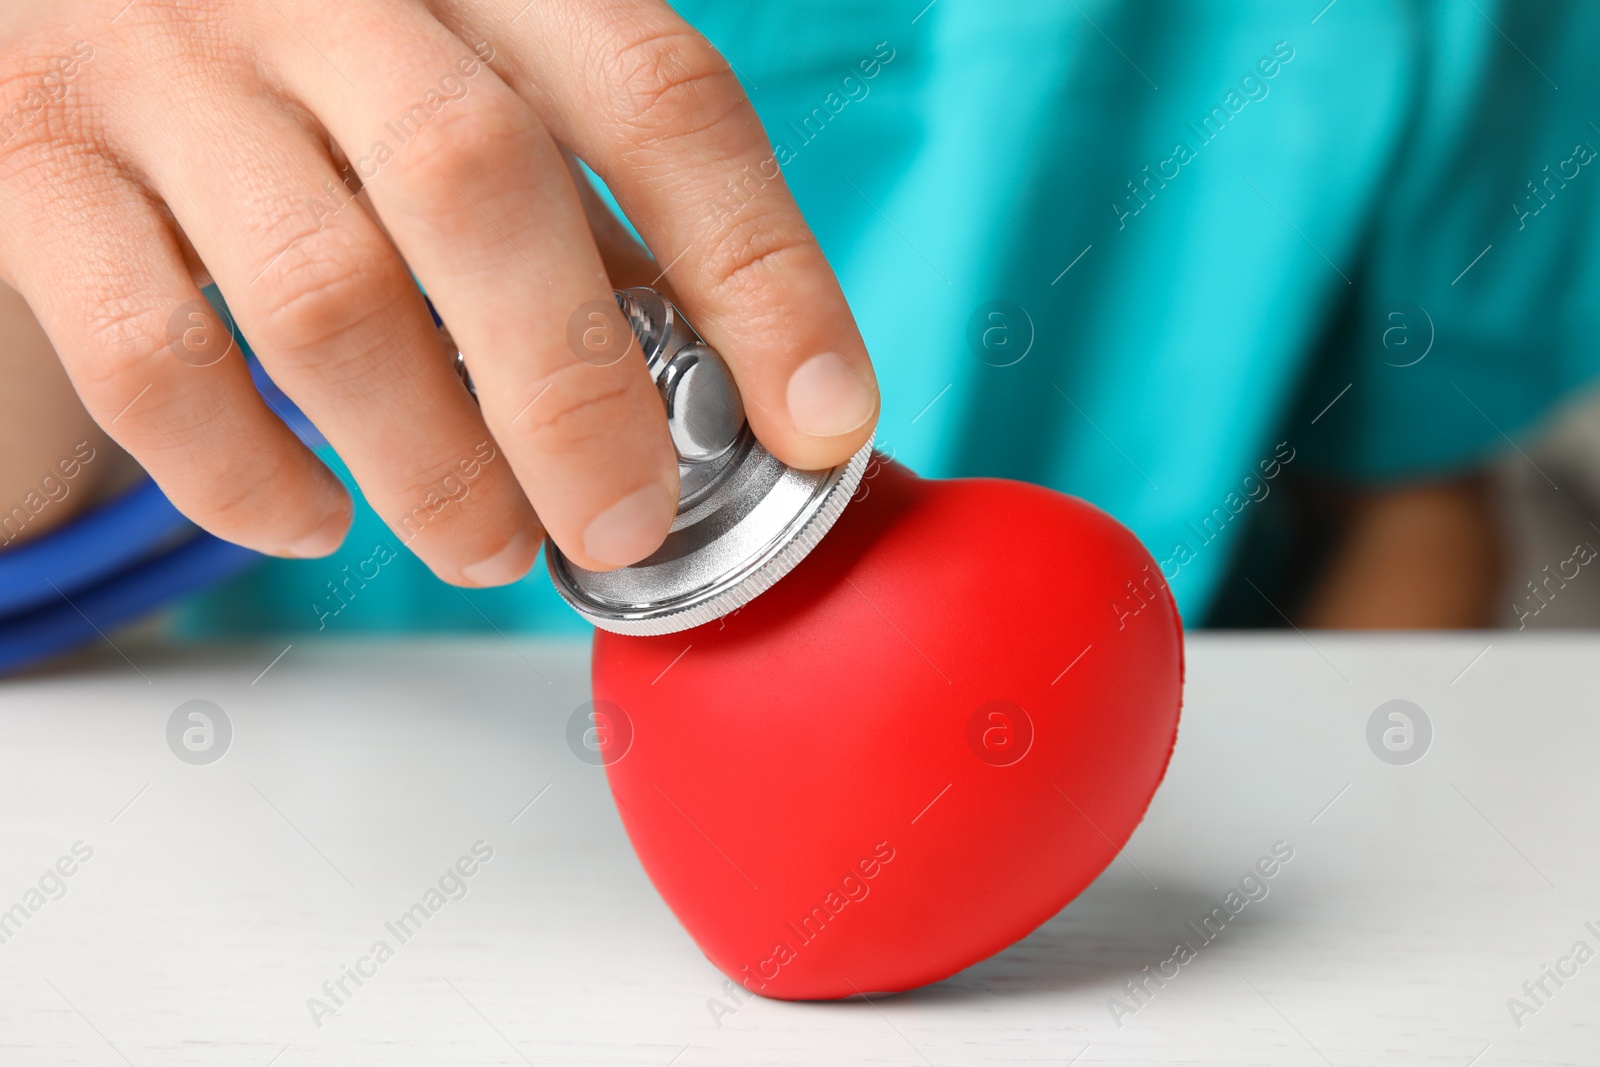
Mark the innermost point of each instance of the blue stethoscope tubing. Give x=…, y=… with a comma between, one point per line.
x=90, y=549
x=89, y=612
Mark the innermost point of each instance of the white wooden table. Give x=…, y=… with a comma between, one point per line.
x=219, y=898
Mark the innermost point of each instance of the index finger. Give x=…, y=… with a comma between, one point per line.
x=658, y=114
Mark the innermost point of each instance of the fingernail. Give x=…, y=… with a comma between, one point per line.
x=828, y=398
x=322, y=541
x=632, y=528
x=506, y=565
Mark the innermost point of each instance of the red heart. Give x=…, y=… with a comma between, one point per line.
x=911, y=751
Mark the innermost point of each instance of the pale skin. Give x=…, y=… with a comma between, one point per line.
x=190, y=140
x=156, y=146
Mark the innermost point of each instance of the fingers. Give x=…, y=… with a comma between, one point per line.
x=151, y=361
x=334, y=316
x=478, y=198
x=661, y=118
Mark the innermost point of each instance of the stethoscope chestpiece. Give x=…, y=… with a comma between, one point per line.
x=744, y=519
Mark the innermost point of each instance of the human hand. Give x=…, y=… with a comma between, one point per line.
x=149, y=147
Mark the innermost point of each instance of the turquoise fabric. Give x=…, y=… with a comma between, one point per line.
x=1134, y=250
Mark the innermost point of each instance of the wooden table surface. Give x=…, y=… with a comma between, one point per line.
x=208, y=903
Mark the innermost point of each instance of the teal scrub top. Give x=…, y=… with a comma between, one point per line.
x=1154, y=254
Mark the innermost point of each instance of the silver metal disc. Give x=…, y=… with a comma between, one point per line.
x=726, y=547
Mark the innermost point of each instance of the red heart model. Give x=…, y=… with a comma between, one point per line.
x=911, y=751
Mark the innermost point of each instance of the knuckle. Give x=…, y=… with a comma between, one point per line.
x=125, y=336
x=227, y=497
x=578, y=408
x=739, y=262
x=460, y=145
x=322, y=288
x=439, y=490
x=670, y=85
x=125, y=379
